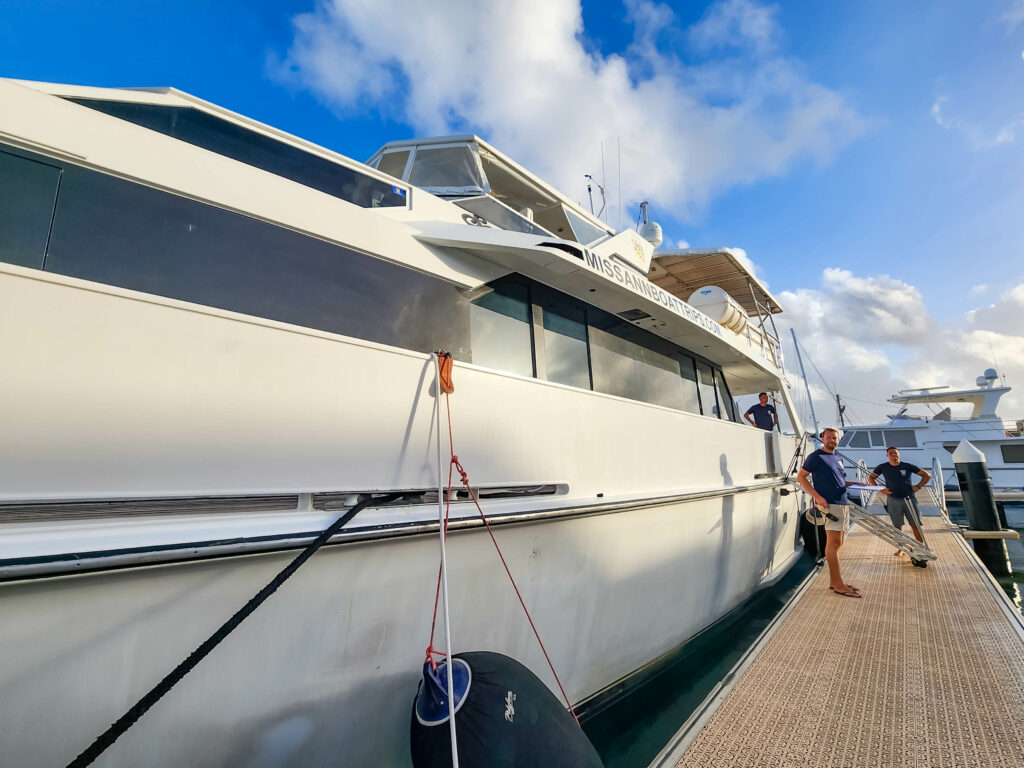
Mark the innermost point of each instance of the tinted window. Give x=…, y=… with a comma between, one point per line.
x=724, y=398
x=28, y=190
x=877, y=439
x=567, y=360
x=900, y=438
x=125, y=234
x=688, y=370
x=501, y=329
x=860, y=440
x=393, y=163
x=706, y=388
x=624, y=367
x=1013, y=454
x=225, y=138
x=846, y=439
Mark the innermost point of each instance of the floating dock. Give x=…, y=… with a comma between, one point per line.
x=926, y=670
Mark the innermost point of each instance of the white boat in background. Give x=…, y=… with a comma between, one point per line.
x=217, y=337
x=922, y=437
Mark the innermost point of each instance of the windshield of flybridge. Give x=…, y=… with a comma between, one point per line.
x=489, y=185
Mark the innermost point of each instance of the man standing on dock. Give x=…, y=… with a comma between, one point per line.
x=765, y=416
x=825, y=468
x=901, y=502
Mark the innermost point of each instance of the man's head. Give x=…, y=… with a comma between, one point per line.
x=763, y=397
x=892, y=453
x=829, y=439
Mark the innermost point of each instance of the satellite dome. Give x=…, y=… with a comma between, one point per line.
x=990, y=374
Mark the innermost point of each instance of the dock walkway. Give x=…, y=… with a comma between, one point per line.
x=926, y=671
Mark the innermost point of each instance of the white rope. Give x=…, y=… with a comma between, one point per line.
x=444, y=565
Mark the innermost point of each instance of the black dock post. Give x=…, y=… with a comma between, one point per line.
x=980, y=505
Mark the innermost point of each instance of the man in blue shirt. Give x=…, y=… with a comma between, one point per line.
x=765, y=416
x=900, y=501
x=825, y=468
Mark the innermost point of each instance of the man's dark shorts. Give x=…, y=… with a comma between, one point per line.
x=900, y=509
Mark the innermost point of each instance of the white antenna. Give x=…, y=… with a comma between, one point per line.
x=604, y=175
x=619, y=140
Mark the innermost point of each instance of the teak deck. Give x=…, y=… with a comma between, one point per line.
x=926, y=671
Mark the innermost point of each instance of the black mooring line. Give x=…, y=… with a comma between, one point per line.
x=129, y=718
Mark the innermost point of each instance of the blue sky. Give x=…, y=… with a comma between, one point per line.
x=868, y=156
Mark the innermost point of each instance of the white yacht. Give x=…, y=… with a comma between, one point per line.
x=925, y=428
x=218, y=337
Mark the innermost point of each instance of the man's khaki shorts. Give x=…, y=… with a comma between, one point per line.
x=842, y=511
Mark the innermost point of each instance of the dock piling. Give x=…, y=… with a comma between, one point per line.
x=980, y=505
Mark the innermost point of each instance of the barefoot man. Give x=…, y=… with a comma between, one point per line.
x=825, y=468
x=899, y=491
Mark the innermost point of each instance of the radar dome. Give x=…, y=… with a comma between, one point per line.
x=990, y=374
x=651, y=232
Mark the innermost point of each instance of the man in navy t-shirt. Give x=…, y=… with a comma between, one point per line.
x=764, y=415
x=899, y=492
x=825, y=468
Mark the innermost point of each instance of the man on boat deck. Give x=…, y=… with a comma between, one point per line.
x=901, y=502
x=825, y=468
x=765, y=416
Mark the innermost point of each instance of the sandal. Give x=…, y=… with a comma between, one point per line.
x=844, y=593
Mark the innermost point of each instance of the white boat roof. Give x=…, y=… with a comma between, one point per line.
x=685, y=270
x=949, y=396
x=500, y=177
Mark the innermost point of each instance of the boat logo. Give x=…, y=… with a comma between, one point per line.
x=510, y=711
x=475, y=220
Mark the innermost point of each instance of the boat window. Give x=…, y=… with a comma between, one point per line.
x=566, y=355
x=126, y=234
x=688, y=369
x=501, y=329
x=393, y=163
x=584, y=232
x=446, y=167
x=877, y=439
x=625, y=367
x=859, y=440
x=706, y=387
x=845, y=440
x=900, y=438
x=1013, y=454
x=28, y=191
x=724, y=398
x=247, y=146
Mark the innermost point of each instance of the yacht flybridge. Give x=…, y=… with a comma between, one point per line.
x=219, y=338
x=925, y=428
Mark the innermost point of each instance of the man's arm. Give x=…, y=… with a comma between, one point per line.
x=775, y=415
x=801, y=478
x=747, y=417
x=871, y=481
x=925, y=477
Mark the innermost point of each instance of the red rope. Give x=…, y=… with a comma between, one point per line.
x=465, y=481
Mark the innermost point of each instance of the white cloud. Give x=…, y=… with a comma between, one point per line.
x=1014, y=16
x=519, y=74
x=977, y=136
x=869, y=337
x=735, y=23
x=682, y=244
x=978, y=289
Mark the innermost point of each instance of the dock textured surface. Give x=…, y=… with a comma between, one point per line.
x=925, y=671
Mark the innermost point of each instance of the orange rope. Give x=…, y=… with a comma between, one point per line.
x=431, y=652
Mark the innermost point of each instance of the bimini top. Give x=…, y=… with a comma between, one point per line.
x=683, y=271
x=475, y=176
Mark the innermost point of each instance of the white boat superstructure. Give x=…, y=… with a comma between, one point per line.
x=218, y=337
x=934, y=432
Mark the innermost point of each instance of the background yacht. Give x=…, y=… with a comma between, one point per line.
x=933, y=432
